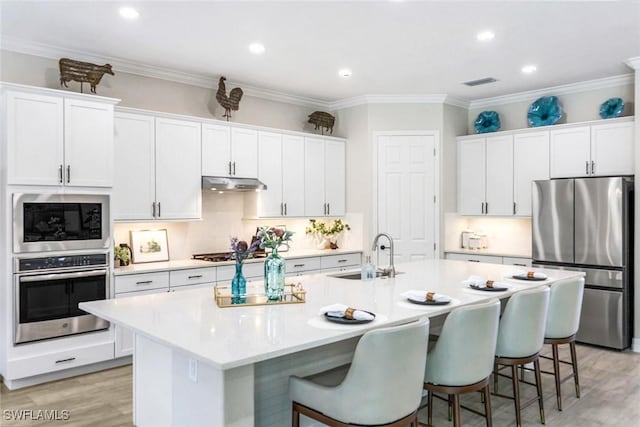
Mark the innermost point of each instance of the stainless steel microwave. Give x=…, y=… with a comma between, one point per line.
x=60, y=222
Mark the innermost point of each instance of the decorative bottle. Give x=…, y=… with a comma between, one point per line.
x=274, y=271
x=238, y=285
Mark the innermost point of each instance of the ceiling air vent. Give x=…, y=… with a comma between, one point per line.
x=479, y=82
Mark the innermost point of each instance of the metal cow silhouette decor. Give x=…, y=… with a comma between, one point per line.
x=83, y=72
x=322, y=120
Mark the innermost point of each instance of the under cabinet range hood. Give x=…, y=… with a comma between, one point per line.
x=223, y=183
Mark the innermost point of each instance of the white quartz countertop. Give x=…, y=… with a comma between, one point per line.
x=182, y=264
x=230, y=337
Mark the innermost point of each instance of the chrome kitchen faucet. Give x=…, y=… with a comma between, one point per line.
x=390, y=271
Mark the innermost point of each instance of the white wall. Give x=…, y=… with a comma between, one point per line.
x=577, y=107
x=636, y=331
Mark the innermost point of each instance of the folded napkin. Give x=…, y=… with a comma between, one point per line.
x=341, y=310
x=425, y=296
x=527, y=274
x=481, y=283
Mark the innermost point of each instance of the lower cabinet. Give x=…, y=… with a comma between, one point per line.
x=491, y=259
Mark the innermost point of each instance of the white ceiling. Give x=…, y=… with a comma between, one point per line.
x=393, y=47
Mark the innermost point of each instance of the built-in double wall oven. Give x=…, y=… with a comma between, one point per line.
x=61, y=258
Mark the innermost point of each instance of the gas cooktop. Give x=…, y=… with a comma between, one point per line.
x=223, y=256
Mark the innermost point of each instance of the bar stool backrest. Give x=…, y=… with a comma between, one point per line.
x=522, y=325
x=565, y=306
x=465, y=350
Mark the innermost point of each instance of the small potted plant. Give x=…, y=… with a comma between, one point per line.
x=328, y=233
x=122, y=255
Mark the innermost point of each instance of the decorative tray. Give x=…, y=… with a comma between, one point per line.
x=293, y=294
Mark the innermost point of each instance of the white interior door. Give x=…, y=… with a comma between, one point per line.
x=406, y=196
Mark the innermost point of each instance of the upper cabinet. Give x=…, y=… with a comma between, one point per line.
x=324, y=177
x=486, y=176
x=157, y=168
x=495, y=172
x=281, y=168
x=229, y=151
x=58, y=139
x=598, y=149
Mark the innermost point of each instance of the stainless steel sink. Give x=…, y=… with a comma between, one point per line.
x=356, y=275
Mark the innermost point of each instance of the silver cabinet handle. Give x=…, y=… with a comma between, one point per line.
x=144, y=282
x=298, y=265
x=154, y=209
x=325, y=209
x=482, y=208
x=521, y=265
x=60, y=179
x=328, y=208
x=229, y=167
x=281, y=209
x=514, y=208
x=342, y=260
x=586, y=167
x=486, y=208
x=234, y=168
x=70, y=359
x=197, y=276
x=473, y=260
x=285, y=208
x=159, y=214
x=68, y=174
x=593, y=167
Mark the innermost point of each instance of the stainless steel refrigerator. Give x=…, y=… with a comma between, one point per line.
x=586, y=224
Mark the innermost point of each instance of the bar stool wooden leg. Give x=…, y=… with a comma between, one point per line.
x=516, y=393
x=536, y=368
x=495, y=377
x=450, y=406
x=574, y=365
x=295, y=416
x=556, y=374
x=487, y=405
x=429, y=407
x=457, y=421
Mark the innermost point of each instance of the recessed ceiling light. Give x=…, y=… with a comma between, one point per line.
x=528, y=69
x=345, y=72
x=129, y=13
x=485, y=36
x=256, y=48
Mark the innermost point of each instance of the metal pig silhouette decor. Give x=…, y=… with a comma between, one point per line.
x=83, y=72
x=231, y=102
x=322, y=120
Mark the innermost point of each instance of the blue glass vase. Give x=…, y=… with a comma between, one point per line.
x=274, y=271
x=238, y=285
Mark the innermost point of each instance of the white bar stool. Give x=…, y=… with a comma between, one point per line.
x=520, y=339
x=382, y=386
x=462, y=359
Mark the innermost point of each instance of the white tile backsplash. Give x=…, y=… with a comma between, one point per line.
x=222, y=218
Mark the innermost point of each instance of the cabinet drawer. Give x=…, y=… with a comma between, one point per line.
x=299, y=265
x=142, y=282
x=475, y=258
x=192, y=276
x=342, y=260
x=251, y=270
x=57, y=361
x=521, y=262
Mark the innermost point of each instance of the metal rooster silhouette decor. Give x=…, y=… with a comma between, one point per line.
x=231, y=102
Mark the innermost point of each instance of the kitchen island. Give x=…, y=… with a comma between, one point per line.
x=196, y=364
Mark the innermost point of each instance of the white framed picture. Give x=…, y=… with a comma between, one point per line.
x=149, y=246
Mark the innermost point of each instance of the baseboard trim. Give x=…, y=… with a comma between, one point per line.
x=67, y=373
x=635, y=345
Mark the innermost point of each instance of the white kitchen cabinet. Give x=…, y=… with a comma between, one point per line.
x=178, y=173
x=134, y=185
x=570, y=152
x=612, y=151
x=157, y=168
x=58, y=140
x=324, y=177
x=281, y=168
x=530, y=163
x=229, y=151
x=485, y=168
x=124, y=336
x=599, y=149
x=474, y=258
x=517, y=261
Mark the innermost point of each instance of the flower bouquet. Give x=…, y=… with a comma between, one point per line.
x=329, y=233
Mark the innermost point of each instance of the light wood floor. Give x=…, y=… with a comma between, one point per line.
x=610, y=396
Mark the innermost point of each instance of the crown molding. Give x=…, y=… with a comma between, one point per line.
x=390, y=99
x=456, y=102
x=633, y=62
x=607, y=82
x=146, y=70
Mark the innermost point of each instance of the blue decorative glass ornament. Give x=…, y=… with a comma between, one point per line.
x=611, y=108
x=544, y=111
x=487, y=121
x=274, y=274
